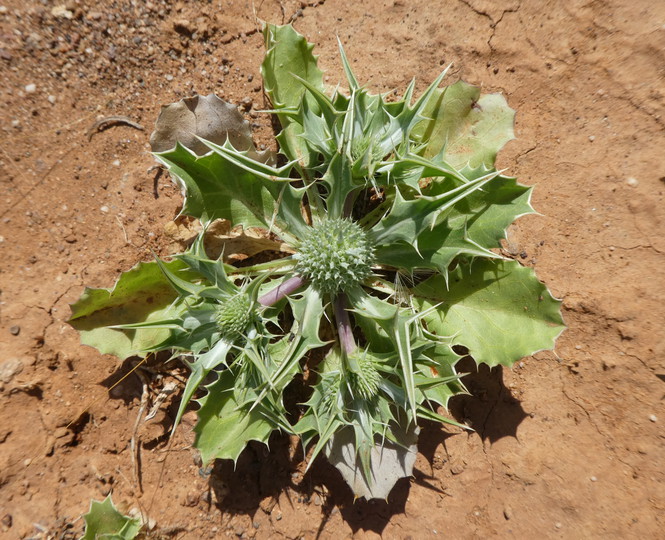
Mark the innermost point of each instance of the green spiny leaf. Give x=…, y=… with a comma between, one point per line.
x=437, y=364
x=497, y=309
x=350, y=77
x=288, y=54
x=142, y=294
x=307, y=313
x=471, y=227
x=224, y=428
x=103, y=520
x=200, y=368
x=340, y=184
x=465, y=128
x=217, y=187
x=408, y=219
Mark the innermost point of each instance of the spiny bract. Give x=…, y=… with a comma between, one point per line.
x=336, y=256
x=365, y=381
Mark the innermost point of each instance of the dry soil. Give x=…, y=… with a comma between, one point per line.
x=568, y=444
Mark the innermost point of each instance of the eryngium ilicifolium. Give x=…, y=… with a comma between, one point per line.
x=336, y=256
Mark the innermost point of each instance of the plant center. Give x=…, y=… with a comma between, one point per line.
x=336, y=256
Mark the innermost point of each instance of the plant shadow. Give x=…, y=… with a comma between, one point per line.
x=124, y=383
x=489, y=408
x=262, y=473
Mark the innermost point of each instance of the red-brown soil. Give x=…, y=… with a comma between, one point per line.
x=568, y=444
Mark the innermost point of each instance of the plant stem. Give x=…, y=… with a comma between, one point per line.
x=370, y=219
x=348, y=205
x=270, y=265
x=287, y=287
x=344, y=330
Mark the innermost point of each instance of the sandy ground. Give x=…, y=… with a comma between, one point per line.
x=568, y=444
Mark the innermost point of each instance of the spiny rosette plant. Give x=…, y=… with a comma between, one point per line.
x=395, y=213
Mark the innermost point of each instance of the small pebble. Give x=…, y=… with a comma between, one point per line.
x=116, y=163
x=592, y=138
x=593, y=479
x=558, y=525
x=9, y=369
x=632, y=182
x=653, y=418
x=30, y=88
x=15, y=330
x=51, y=100
x=61, y=12
x=104, y=209
x=168, y=77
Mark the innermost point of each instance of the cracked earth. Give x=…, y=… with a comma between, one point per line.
x=568, y=443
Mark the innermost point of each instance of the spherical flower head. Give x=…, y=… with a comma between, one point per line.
x=336, y=256
x=234, y=316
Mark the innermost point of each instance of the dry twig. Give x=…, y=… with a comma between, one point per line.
x=134, y=447
x=108, y=121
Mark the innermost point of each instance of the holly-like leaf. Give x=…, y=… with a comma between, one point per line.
x=437, y=248
x=407, y=219
x=200, y=368
x=340, y=183
x=224, y=428
x=465, y=128
x=142, y=294
x=224, y=184
x=497, y=309
x=472, y=227
x=103, y=520
x=440, y=366
x=307, y=312
x=288, y=54
x=389, y=460
x=289, y=61
x=486, y=213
